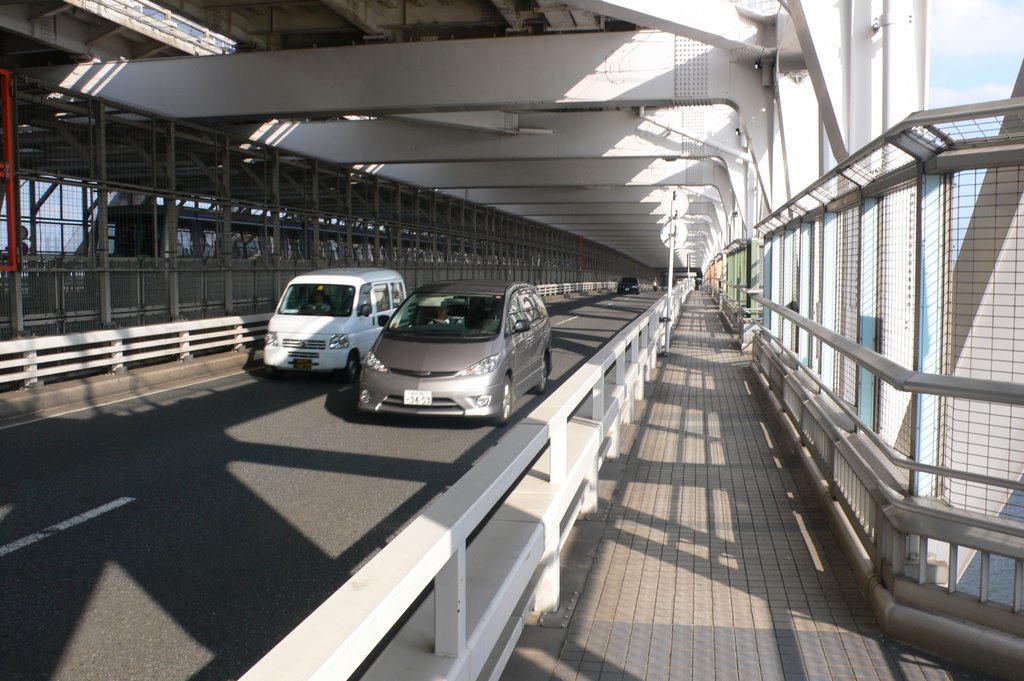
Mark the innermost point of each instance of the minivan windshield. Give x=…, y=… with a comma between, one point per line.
x=318, y=299
x=448, y=314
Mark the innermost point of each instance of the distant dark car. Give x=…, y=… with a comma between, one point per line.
x=629, y=285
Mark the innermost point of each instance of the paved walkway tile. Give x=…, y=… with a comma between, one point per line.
x=716, y=563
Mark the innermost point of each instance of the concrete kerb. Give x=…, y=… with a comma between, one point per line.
x=90, y=390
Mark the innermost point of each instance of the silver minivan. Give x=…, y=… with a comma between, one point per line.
x=461, y=348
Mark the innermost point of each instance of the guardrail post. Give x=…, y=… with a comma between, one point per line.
x=634, y=358
x=450, y=606
x=652, y=342
x=185, y=346
x=239, y=333
x=588, y=504
x=549, y=586
x=597, y=401
x=557, y=452
x=117, y=354
x=31, y=365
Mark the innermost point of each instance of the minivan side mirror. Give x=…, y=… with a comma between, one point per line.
x=521, y=325
x=365, y=310
x=382, y=319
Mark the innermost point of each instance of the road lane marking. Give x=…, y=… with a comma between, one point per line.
x=64, y=525
x=59, y=412
x=566, y=320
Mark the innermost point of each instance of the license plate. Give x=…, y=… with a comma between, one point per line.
x=303, y=364
x=418, y=398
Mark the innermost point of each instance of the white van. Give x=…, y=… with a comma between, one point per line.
x=328, y=319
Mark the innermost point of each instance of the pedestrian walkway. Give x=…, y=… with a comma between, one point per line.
x=715, y=561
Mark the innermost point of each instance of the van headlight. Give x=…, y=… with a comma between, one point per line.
x=337, y=342
x=270, y=339
x=484, y=366
x=373, y=363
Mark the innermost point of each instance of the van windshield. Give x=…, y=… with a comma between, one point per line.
x=333, y=300
x=446, y=314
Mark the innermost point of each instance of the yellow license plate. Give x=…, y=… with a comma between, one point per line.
x=303, y=364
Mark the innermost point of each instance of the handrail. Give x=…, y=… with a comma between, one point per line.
x=337, y=637
x=891, y=454
x=901, y=378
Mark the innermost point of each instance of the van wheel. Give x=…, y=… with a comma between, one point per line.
x=273, y=373
x=352, y=367
x=545, y=369
x=507, y=399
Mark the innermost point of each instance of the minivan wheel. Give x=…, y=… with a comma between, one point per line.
x=352, y=367
x=506, y=404
x=545, y=369
x=273, y=373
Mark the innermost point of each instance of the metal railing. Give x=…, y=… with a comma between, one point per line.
x=908, y=551
x=514, y=502
x=575, y=287
x=28, y=362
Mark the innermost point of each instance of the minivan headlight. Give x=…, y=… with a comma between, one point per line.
x=373, y=363
x=484, y=366
x=337, y=341
x=270, y=339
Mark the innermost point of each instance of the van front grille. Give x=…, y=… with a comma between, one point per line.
x=309, y=343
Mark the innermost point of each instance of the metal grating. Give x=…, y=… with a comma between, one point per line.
x=985, y=328
x=848, y=298
x=988, y=129
x=898, y=267
x=878, y=163
x=829, y=297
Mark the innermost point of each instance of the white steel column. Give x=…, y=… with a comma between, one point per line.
x=905, y=59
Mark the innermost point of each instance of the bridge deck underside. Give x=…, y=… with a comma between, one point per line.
x=715, y=561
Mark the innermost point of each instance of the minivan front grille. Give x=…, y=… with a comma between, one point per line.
x=310, y=343
x=440, y=404
x=423, y=374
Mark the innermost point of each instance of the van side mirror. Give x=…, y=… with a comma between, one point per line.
x=521, y=325
x=382, y=319
x=365, y=310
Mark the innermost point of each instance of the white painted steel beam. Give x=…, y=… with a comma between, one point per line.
x=497, y=135
x=822, y=32
x=565, y=173
x=591, y=194
x=360, y=13
x=507, y=8
x=60, y=30
x=520, y=74
x=563, y=17
x=720, y=23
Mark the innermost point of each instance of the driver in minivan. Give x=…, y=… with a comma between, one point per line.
x=442, y=315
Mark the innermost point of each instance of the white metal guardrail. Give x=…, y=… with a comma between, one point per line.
x=907, y=551
x=575, y=287
x=538, y=476
x=29, y=362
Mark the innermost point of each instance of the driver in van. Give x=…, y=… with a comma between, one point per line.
x=319, y=302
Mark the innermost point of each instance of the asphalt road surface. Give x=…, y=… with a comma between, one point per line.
x=179, y=536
